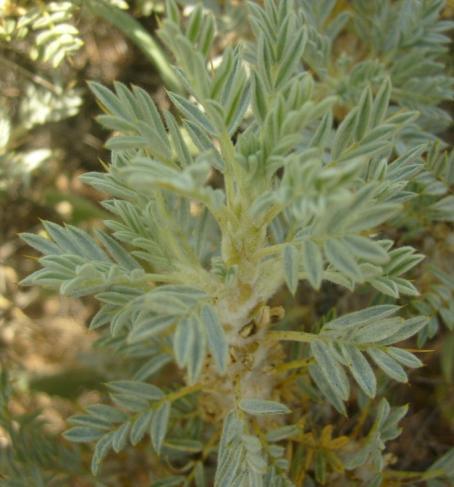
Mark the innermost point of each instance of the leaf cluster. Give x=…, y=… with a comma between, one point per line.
x=252, y=183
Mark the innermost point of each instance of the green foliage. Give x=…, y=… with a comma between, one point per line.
x=47, y=34
x=404, y=40
x=38, y=106
x=30, y=455
x=51, y=24
x=187, y=265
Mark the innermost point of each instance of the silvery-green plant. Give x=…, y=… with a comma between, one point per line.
x=404, y=40
x=253, y=187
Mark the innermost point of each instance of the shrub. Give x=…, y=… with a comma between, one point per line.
x=273, y=174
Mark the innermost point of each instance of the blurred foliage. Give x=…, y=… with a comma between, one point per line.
x=29, y=455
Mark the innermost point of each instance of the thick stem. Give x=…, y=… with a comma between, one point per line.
x=250, y=373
